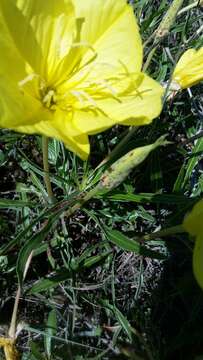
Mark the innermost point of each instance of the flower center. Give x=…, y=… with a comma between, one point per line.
x=48, y=98
x=37, y=88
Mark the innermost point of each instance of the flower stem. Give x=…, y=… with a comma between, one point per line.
x=82, y=201
x=47, y=181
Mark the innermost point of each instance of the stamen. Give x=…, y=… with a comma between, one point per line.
x=49, y=99
x=81, y=95
x=27, y=79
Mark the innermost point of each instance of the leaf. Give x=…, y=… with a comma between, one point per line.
x=37, y=183
x=13, y=242
x=31, y=244
x=196, y=153
x=54, y=149
x=15, y=204
x=35, y=352
x=51, y=329
x=34, y=241
x=50, y=283
x=148, y=198
x=123, y=242
x=2, y=158
x=57, y=208
x=95, y=259
x=123, y=321
x=179, y=180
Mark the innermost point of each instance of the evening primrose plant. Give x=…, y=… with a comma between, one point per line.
x=70, y=69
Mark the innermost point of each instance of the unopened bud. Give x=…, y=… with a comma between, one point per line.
x=117, y=172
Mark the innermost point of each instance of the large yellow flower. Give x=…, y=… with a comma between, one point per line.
x=69, y=69
x=189, y=69
x=193, y=223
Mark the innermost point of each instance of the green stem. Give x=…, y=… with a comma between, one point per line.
x=45, y=142
x=178, y=229
x=81, y=202
x=149, y=58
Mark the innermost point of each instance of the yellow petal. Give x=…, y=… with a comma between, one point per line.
x=111, y=28
x=91, y=122
x=10, y=60
x=61, y=128
x=198, y=260
x=137, y=108
x=42, y=31
x=189, y=69
x=17, y=108
x=193, y=223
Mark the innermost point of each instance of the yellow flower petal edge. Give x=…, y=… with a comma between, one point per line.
x=193, y=223
x=72, y=68
x=198, y=260
x=189, y=69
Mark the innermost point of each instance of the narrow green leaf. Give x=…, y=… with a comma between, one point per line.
x=15, y=204
x=51, y=329
x=30, y=245
x=54, y=149
x=38, y=184
x=2, y=158
x=149, y=198
x=177, y=187
x=123, y=321
x=49, y=283
x=120, y=318
x=35, y=352
x=57, y=208
x=95, y=259
x=123, y=242
x=196, y=153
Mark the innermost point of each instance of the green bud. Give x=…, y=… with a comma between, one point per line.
x=168, y=19
x=118, y=172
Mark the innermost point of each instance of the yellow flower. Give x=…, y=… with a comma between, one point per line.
x=189, y=69
x=193, y=224
x=69, y=69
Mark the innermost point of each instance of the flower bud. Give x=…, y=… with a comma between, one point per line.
x=117, y=172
